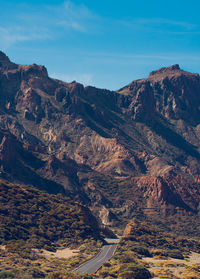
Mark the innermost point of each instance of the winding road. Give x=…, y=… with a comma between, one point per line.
x=95, y=263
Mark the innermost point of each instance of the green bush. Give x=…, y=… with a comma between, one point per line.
x=6, y=274
x=55, y=275
x=36, y=273
x=107, y=264
x=86, y=276
x=176, y=254
x=60, y=275
x=141, y=251
x=104, y=273
x=135, y=272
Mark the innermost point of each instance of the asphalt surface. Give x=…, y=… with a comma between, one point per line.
x=94, y=264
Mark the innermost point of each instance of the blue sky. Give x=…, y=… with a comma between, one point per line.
x=102, y=43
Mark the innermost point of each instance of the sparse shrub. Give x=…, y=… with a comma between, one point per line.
x=86, y=276
x=55, y=275
x=107, y=264
x=127, y=275
x=60, y=275
x=141, y=251
x=135, y=272
x=127, y=257
x=104, y=273
x=36, y=273
x=82, y=248
x=176, y=254
x=157, y=252
x=6, y=274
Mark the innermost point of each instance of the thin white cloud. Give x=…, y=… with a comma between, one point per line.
x=84, y=78
x=74, y=17
x=160, y=24
x=56, y=21
x=12, y=35
x=183, y=32
x=77, y=11
x=164, y=21
x=72, y=25
x=130, y=57
x=49, y=22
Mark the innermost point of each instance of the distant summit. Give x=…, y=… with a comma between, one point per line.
x=172, y=71
x=173, y=68
x=3, y=57
x=5, y=61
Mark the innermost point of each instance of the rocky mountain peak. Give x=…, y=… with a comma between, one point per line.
x=5, y=61
x=3, y=57
x=172, y=72
x=166, y=70
x=169, y=91
x=35, y=69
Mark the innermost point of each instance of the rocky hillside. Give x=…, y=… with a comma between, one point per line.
x=43, y=220
x=134, y=151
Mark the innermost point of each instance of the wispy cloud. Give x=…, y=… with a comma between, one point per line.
x=74, y=25
x=147, y=55
x=132, y=58
x=164, y=21
x=12, y=35
x=161, y=24
x=51, y=21
x=84, y=78
x=75, y=17
x=77, y=11
x=54, y=22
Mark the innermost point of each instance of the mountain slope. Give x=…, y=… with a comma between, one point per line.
x=42, y=219
x=134, y=151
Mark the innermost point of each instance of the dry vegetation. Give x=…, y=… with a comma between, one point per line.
x=42, y=220
x=23, y=263
x=148, y=251
x=31, y=219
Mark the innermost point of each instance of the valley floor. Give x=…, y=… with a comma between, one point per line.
x=60, y=253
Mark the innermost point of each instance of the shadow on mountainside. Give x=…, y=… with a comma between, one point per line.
x=173, y=138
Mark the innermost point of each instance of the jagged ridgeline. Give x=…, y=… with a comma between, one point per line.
x=123, y=153
x=43, y=220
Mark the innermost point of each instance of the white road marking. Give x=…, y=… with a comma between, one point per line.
x=93, y=265
x=105, y=254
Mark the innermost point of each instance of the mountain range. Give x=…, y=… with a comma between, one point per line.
x=135, y=151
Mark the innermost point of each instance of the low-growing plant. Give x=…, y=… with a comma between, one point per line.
x=141, y=251
x=135, y=272
x=176, y=254
x=107, y=264
x=6, y=274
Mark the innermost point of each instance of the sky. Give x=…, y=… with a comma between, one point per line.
x=103, y=43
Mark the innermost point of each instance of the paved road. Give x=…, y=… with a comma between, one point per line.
x=94, y=264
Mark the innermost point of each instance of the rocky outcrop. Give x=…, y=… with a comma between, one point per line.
x=5, y=62
x=170, y=188
x=170, y=91
x=8, y=151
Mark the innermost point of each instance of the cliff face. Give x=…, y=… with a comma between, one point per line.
x=112, y=150
x=170, y=92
